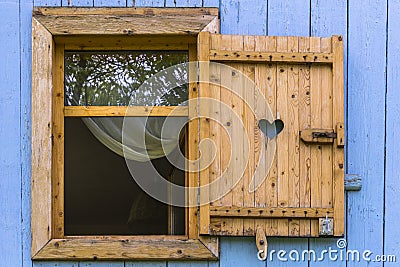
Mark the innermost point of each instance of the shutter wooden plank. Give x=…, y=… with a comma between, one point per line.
x=283, y=137
x=271, y=181
x=326, y=115
x=226, y=98
x=315, y=101
x=304, y=123
x=192, y=151
x=237, y=133
x=293, y=135
x=259, y=139
x=248, y=118
x=215, y=79
x=338, y=116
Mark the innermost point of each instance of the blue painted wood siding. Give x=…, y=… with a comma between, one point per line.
x=372, y=51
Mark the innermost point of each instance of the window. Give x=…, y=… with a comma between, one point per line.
x=100, y=195
x=88, y=84
x=264, y=134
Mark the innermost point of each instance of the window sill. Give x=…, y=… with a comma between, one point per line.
x=129, y=247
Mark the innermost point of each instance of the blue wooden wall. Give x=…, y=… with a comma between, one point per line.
x=372, y=64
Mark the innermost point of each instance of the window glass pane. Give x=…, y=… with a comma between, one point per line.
x=114, y=78
x=102, y=198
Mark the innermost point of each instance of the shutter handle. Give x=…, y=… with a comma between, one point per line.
x=262, y=244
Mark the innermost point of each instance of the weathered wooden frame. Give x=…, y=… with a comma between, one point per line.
x=57, y=29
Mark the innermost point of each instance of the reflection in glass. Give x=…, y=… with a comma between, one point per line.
x=113, y=78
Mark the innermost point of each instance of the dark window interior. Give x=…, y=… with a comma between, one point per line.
x=101, y=197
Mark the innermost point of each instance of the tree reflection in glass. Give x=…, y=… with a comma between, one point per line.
x=113, y=78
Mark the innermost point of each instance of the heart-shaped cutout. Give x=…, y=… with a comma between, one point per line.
x=271, y=129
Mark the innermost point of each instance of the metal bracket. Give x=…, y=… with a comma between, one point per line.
x=324, y=135
x=262, y=244
x=326, y=226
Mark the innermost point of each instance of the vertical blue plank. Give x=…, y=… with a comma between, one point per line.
x=10, y=164
x=288, y=245
x=25, y=135
x=187, y=264
x=147, y=3
x=210, y=3
x=55, y=264
x=243, y=17
x=183, y=3
x=47, y=2
x=145, y=264
x=366, y=123
x=289, y=18
x=101, y=264
x=109, y=3
x=392, y=185
x=239, y=251
x=328, y=18
x=77, y=3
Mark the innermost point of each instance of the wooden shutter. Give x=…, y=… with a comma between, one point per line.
x=301, y=79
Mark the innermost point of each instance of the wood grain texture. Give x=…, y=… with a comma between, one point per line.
x=269, y=212
x=294, y=140
x=10, y=142
x=94, y=111
x=392, y=198
x=42, y=66
x=124, y=25
x=250, y=56
x=282, y=140
x=315, y=122
x=338, y=152
x=366, y=80
x=126, y=248
x=192, y=150
x=57, y=168
x=304, y=123
x=203, y=47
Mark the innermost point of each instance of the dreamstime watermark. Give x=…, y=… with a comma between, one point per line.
x=220, y=112
x=338, y=253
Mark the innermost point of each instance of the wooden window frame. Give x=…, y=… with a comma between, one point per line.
x=55, y=30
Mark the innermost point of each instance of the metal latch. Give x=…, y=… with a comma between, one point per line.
x=326, y=226
x=324, y=135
